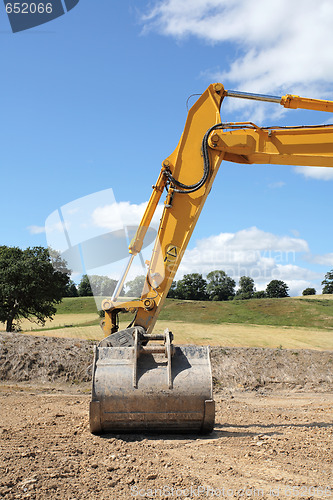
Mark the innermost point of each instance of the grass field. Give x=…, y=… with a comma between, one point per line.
x=312, y=313
x=301, y=322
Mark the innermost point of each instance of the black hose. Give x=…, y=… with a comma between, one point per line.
x=184, y=188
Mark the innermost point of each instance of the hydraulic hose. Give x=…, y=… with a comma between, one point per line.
x=184, y=188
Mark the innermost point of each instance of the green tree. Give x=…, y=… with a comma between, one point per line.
x=328, y=282
x=191, y=287
x=246, y=288
x=135, y=286
x=173, y=290
x=96, y=285
x=261, y=294
x=277, y=289
x=309, y=291
x=29, y=285
x=84, y=288
x=71, y=290
x=102, y=285
x=220, y=286
x=108, y=286
x=58, y=263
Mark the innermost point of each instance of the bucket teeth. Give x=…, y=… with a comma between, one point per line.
x=158, y=388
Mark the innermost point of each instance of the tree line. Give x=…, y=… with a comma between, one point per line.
x=91, y=285
x=217, y=286
x=34, y=280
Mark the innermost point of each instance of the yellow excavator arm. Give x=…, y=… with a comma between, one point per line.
x=136, y=385
x=188, y=174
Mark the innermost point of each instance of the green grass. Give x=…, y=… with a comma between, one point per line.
x=306, y=313
x=69, y=325
x=291, y=322
x=77, y=305
x=274, y=312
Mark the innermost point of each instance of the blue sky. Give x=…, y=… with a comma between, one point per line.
x=96, y=99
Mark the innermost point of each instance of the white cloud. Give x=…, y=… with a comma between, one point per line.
x=319, y=173
x=282, y=46
x=323, y=260
x=91, y=217
x=251, y=252
x=247, y=248
x=292, y=272
x=296, y=287
x=121, y=214
x=36, y=229
x=255, y=239
x=276, y=185
x=54, y=227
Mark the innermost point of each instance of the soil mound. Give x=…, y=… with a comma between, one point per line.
x=27, y=358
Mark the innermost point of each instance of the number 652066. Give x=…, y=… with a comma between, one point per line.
x=25, y=8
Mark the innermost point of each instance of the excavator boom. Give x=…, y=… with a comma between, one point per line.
x=133, y=390
x=248, y=143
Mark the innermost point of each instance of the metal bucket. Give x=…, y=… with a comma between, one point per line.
x=157, y=389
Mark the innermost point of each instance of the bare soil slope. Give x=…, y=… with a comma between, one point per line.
x=272, y=439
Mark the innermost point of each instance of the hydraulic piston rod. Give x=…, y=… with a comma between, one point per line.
x=255, y=97
x=288, y=101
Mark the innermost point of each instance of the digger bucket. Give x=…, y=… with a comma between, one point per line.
x=157, y=389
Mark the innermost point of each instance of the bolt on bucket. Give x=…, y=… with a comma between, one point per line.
x=151, y=388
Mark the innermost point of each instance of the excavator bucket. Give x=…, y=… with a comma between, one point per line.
x=151, y=388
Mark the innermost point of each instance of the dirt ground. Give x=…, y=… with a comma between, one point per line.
x=272, y=439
